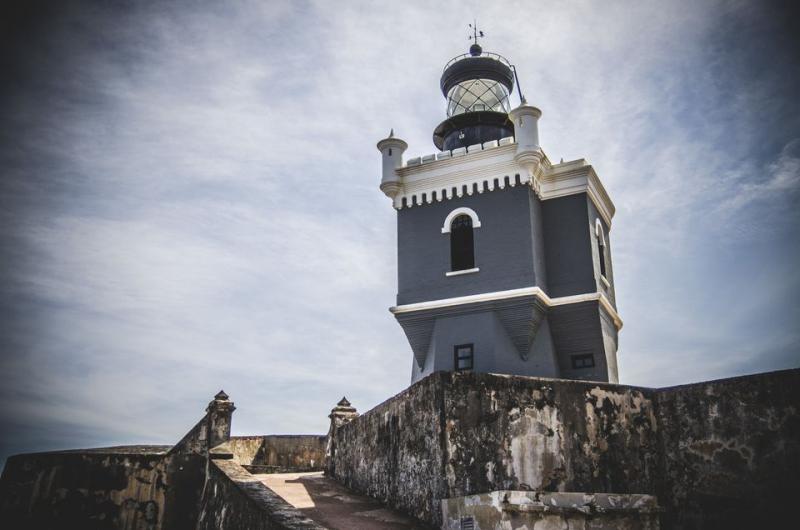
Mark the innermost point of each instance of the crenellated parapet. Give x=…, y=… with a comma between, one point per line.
x=490, y=167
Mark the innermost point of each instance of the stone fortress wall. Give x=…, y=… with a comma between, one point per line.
x=720, y=454
x=158, y=487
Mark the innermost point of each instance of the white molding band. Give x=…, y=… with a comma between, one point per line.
x=513, y=293
x=462, y=271
x=476, y=223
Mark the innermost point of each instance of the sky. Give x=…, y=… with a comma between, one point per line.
x=189, y=198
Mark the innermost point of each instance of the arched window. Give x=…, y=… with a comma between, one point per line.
x=601, y=247
x=460, y=224
x=462, y=246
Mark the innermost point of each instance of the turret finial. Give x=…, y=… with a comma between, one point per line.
x=391, y=133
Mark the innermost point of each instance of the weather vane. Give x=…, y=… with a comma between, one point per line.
x=476, y=33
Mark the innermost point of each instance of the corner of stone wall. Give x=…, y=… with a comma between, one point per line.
x=212, y=430
x=234, y=499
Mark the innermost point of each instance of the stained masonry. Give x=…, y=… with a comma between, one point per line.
x=504, y=451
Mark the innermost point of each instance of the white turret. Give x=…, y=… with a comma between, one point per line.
x=526, y=130
x=392, y=150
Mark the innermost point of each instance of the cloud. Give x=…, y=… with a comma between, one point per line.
x=782, y=177
x=190, y=201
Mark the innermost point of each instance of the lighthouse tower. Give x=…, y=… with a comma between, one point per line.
x=504, y=258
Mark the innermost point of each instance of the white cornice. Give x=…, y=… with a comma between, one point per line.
x=513, y=293
x=484, y=167
x=572, y=177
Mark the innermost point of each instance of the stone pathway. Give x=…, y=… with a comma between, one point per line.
x=330, y=504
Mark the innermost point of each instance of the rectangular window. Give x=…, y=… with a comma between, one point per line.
x=584, y=360
x=463, y=354
x=467, y=523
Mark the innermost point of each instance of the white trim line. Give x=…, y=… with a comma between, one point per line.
x=476, y=223
x=512, y=293
x=462, y=271
x=605, y=281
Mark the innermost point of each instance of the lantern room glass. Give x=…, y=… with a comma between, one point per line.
x=475, y=95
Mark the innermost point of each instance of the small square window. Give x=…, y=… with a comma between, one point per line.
x=584, y=360
x=463, y=355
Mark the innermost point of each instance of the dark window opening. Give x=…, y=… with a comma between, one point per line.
x=467, y=523
x=390, y=151
x=462, y=246
x=584, y=360
x=463, y=356
x=601, y=250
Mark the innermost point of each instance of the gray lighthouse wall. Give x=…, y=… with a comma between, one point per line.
x=504, y=246
x=521, y=242
x=568, y=249
x=493, y=352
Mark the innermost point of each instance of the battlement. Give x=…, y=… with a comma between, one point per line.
x=461, y=151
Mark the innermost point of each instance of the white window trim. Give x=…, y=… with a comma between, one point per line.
x=462, y=271
x=448, y=221
x=599, y=232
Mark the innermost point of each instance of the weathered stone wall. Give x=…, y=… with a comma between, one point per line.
x=132, y=487
x=102, y=489
x=527, y=510
x=731, y=452
x=702, y=449
x=395, y=454
x=234, y=500
x=289, y=452
x=280, y=453
x=246, y=449
x=520, y=433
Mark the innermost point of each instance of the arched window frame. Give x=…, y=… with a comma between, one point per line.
x=448, y=221
x=600, y=235
x=446, y=229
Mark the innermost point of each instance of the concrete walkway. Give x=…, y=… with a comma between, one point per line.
x=331, y=504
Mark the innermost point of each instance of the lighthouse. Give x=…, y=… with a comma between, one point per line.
x=503, y=257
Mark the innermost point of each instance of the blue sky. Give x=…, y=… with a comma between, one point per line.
x=190, y=198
